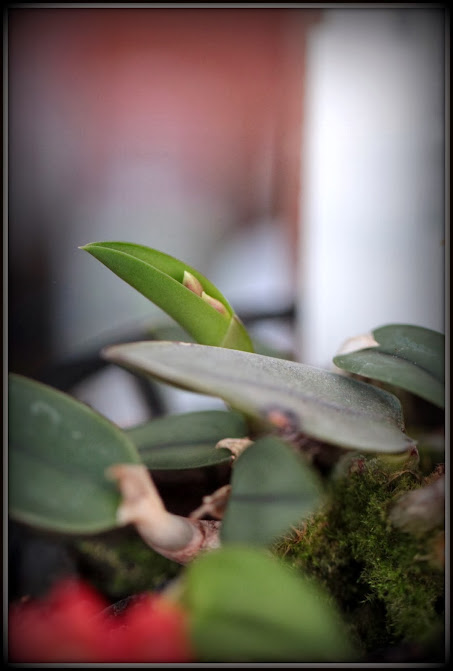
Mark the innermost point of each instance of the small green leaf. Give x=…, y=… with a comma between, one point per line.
x=410, y=357
x=58, y=451
x=247, y=606
x=187, y=440
x=174, y=332
x=173, y=286
x=327, y=406
x=271, y=489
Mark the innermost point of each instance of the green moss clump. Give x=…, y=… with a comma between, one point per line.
x=120, y=564
x=386, y=582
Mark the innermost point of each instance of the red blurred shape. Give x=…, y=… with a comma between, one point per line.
x=72, y=625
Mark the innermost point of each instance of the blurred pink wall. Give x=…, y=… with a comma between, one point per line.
x=213, y=90
x=212, y=96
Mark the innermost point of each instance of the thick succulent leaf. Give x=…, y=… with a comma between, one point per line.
x=160, y=277
x=406, y=356
x=324, y=405
x=247, y=606
x=58, y=452
x=187, y=440
x=272, y=489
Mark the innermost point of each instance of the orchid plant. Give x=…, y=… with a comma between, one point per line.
x=72, y=471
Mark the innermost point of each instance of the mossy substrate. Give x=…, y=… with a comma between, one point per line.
x=120, y=564
x=389, y=584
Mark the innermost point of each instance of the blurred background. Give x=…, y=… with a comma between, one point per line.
x=296, y=157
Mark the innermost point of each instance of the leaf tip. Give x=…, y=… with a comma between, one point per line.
x=88, y=247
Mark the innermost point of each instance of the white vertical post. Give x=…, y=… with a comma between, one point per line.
x=372, y=211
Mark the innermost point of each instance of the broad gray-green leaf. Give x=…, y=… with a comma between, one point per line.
x=247, y=606
x=58, y=451
x=324, y=405
x=160, y=278
x=272, y=488
x=187, y=440
x=410, y=357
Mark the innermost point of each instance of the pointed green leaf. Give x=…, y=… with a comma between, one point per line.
x=187, y=440
x=174, y=332
x=272, y=488
x=410, y=357
x=324, y=405
x=247, y=606
x=58, y=451
x=161, y=278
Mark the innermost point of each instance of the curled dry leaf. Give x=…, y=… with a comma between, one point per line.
x=357, y=343
x=235, y=445
x=421, y=510
x=177, y=538
x=214, y=504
